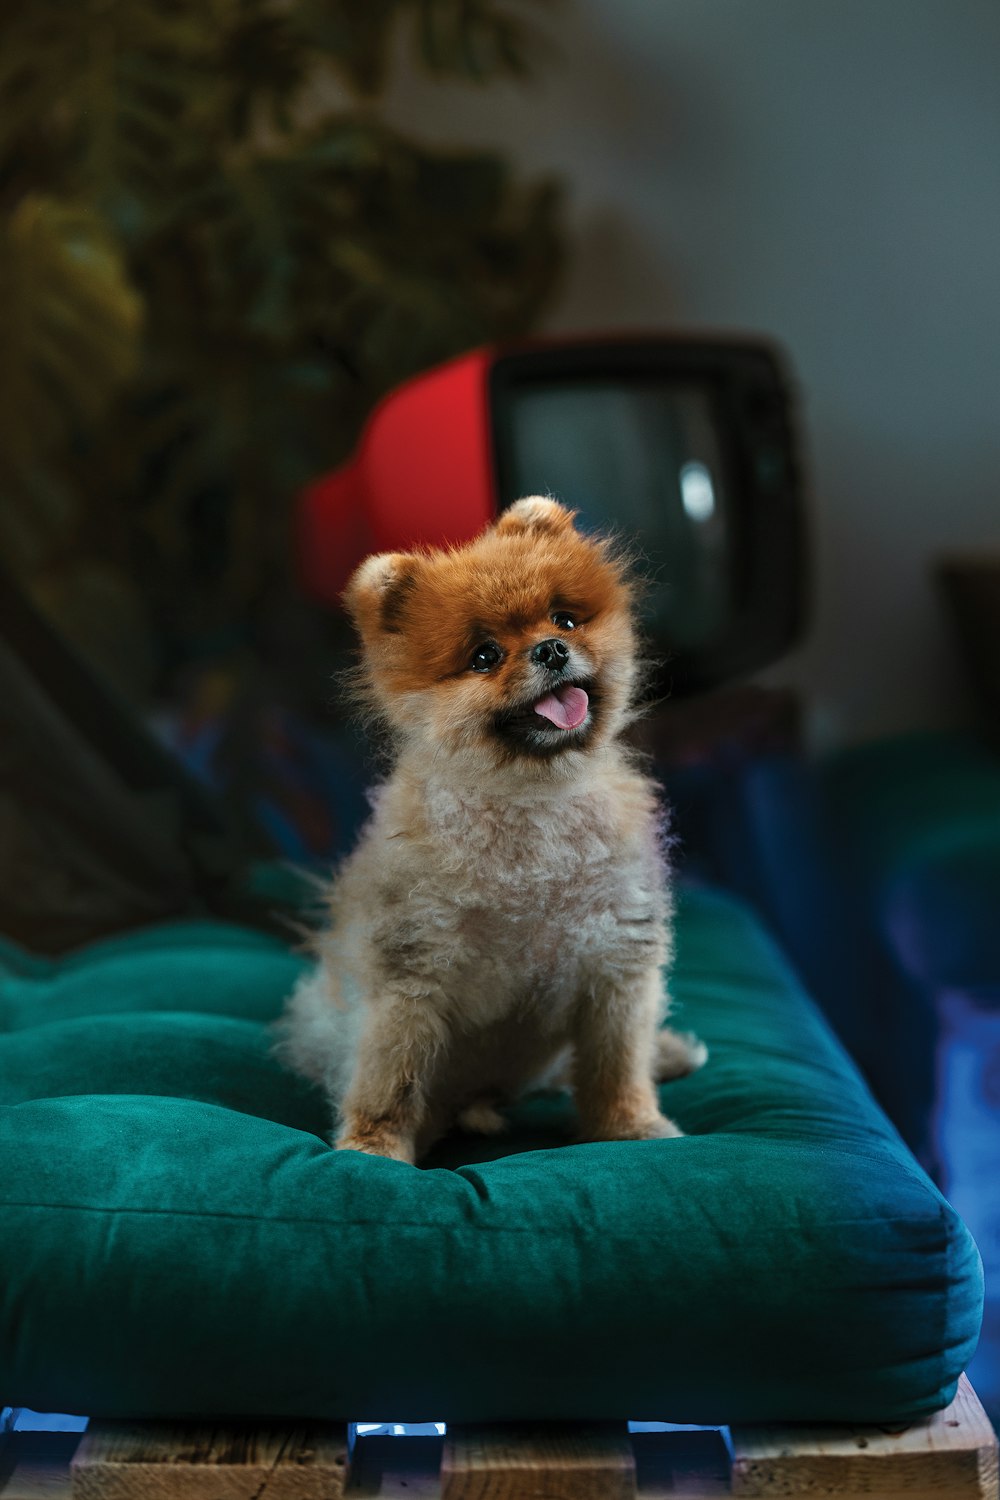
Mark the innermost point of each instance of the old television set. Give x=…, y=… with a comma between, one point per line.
x=685, y=445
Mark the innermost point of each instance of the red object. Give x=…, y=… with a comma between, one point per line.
x=422, y=472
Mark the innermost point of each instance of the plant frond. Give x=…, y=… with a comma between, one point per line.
x=263, y=61
x=108, y=83
x=354, y=39
x=71, y=320
x=480, y=39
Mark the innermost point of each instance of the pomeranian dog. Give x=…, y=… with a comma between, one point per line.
x=503, y=922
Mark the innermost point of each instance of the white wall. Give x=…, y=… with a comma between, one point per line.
x=827, y=171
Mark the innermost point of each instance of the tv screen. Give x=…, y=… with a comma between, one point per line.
x=641, y=458
x=684, y=447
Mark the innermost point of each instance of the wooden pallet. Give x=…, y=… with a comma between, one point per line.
x=950, y=1456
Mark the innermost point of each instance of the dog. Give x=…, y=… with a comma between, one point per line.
x=505, y=915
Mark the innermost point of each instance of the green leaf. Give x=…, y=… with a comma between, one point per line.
x=71, y=322
x=479, y=39
x=263, y=61
x=107, y=82
x=354, y=37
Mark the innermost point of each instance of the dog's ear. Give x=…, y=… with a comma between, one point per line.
x=376, y=595
x=535, y=513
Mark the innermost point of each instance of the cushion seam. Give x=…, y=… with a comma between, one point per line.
x=576, y=1230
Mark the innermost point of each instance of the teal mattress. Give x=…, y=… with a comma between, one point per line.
x=178, y=1239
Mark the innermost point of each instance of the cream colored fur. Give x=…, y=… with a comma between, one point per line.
x=500, y=921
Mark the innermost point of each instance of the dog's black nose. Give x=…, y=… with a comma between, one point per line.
x=551, y=653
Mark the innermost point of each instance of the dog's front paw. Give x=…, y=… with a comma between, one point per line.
x=634, y=1128
x=377, y=1142
x=660, y=1129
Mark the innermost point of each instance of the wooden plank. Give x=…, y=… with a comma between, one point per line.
x=688, y=1465
x=538, y=1461
x=197, y=1461
x=951, y=1455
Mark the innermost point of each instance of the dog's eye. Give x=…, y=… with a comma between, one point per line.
x=564, y=620
x=485, y=658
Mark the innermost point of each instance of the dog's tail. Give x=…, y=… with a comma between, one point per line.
x=316, y=1036
x=677, y=1054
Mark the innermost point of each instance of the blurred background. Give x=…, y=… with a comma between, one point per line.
x=218, y=250
x=829, y=174
x=227, y=227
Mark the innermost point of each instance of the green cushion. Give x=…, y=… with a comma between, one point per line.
x=178, y=1238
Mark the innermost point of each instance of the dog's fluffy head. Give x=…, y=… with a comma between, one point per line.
x=519, y=645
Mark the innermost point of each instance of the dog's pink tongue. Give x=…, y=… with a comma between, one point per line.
x=566, y=708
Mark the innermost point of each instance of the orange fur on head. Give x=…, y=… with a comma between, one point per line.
x=422, y=616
